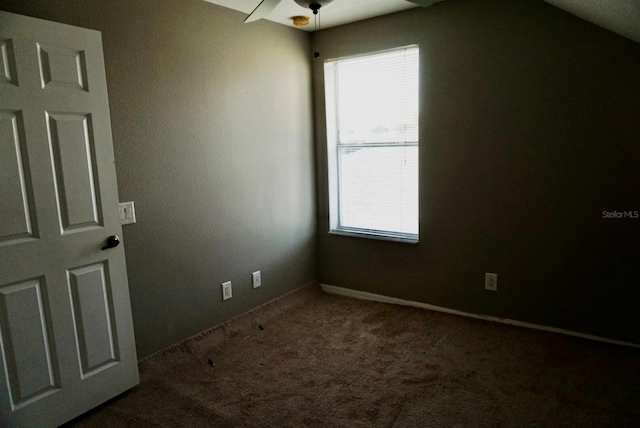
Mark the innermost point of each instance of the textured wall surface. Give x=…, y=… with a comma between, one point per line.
x=530, y=125
x=212, y=127
x=529, y=130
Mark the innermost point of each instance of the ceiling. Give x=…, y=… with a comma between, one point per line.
x=337, y=13
x=619, y=16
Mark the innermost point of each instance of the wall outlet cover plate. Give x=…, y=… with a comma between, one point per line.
x=491, y=281
x=226, y=290
x=257, y=280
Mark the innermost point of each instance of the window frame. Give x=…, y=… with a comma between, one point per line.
x=334, y=147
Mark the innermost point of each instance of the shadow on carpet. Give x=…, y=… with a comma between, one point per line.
x=312, y=359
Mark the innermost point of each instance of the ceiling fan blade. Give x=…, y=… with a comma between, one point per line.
x=262, y=10
x=424, y=3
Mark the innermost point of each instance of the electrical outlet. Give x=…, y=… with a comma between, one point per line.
x=257, y=281
x=491, y=281
x=226, y=290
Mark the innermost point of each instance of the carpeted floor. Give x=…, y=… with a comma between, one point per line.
x=316, y=360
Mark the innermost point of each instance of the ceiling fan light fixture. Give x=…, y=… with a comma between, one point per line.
x=315, y=6
x=300, y=21
x=310, y=4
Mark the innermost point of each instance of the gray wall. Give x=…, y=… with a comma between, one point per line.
x=530, y=127
x=212, y=126
x=529, y=131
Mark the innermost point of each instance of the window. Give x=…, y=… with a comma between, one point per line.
x=372, y=141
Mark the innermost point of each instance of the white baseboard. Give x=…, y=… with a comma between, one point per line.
x=363, y=295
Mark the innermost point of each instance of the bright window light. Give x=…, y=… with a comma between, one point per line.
x=372, y=141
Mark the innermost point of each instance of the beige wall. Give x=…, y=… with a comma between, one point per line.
x=530, y=127
x=212, y=130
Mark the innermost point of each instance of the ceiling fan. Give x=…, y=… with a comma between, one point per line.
x=266, y=7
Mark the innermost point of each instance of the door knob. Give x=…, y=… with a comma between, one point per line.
x=112, y=241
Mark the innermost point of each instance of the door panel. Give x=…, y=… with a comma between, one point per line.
x=72, y=151
x=25, y=341
x=62, y=68
x=66, y=331
x=8, y=64
x=92, y=314
x=15, y=203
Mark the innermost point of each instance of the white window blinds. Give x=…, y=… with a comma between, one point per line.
x=372, y=140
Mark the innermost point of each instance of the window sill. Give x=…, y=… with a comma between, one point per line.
x=372, y=235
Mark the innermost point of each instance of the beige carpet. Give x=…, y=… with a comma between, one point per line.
x=316, y=360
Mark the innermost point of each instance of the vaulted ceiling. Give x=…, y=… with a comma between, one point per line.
x=619, y=16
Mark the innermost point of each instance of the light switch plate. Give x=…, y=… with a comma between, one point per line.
x=256, y=279
x=127, y=213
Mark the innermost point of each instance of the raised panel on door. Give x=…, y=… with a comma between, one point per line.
x=62, y=67
x=17, y=221
x=25, y=338
x=90, y=291
x=73, y=157
x=8, y=74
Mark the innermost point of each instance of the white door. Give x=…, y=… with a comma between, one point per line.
x=66, y=333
